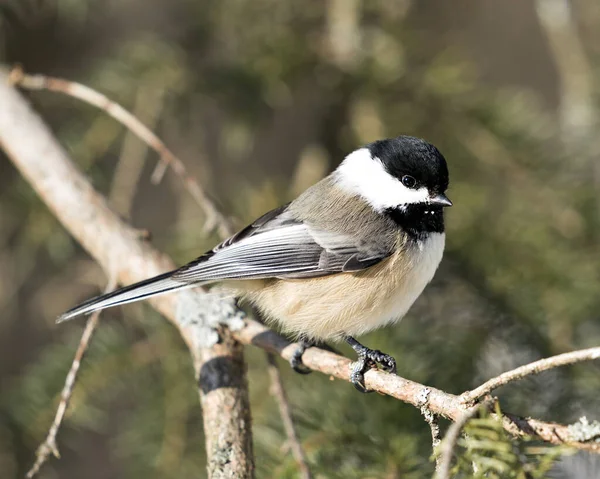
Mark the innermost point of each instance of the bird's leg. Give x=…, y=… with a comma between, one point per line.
x=368, y=358
x=296, y=359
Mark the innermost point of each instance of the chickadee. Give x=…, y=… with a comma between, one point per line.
x=349, y=255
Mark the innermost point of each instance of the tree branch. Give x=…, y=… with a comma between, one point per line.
x=214, y=218
x=49, y=445
x=439, y=402
x=220, y=369
x=278, y=391
x=529, y=369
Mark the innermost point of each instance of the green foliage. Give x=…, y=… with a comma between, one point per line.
x=486, y=451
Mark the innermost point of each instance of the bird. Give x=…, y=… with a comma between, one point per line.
x=349, y=255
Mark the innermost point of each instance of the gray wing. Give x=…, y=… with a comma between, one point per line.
x=278, y=245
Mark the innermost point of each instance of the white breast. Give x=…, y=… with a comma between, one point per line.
x=425, y=258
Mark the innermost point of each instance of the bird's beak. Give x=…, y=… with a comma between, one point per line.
x=441, y=200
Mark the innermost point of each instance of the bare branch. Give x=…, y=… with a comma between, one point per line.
x=575, y=73
x=49, y=445
x=130, y=121
x=529, y=369
x=214, y=217
x=86, y=94
x=44, y=163
x=278, y=391
x=148, y=104
x=439, y=402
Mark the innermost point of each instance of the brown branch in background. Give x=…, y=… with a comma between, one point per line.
x=529, y=369
x=119, y=183
x=148, y=105
x=31, y=146
x=444, y=459
x=49, y=445
x=575, y=73
x=86, y=94
x=110, y=241
x=278, y=392
x=578, y=114
x=214, y=217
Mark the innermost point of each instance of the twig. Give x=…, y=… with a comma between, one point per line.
x=86, y=94
x=148, y=102
x=31, y=146
x=278, y=392
x=446, y=452
x=536, y=367
x=439, y=402
x=49, y=445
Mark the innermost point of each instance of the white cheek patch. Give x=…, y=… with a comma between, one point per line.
x=362, y=174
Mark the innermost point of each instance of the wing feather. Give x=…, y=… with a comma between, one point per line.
x=278, y=245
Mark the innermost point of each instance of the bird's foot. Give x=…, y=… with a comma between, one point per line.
x=296, y=359
x=367, y=359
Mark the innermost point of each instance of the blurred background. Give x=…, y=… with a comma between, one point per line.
x=260, y=99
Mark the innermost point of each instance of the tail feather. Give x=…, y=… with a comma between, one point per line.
x=135, y=292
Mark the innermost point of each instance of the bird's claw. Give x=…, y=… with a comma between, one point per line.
x=357, y=375
x=296, y=359
x=368, y=359
x=387, y=362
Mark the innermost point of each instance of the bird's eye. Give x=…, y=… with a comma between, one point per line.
x=409, y=181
